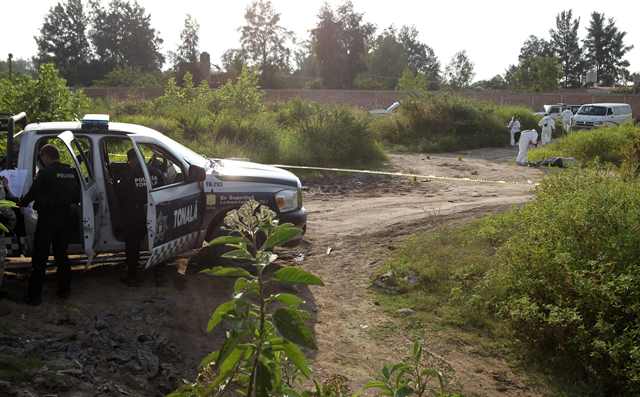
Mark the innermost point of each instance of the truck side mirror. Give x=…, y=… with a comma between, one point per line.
x=196, y=174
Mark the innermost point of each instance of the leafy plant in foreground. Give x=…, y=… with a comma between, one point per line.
x=266, y=331
x=409, y=378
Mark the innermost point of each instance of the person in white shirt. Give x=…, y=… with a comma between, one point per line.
x=514, y=128
x=548, y=125
x=567, y=120
x=527, y=138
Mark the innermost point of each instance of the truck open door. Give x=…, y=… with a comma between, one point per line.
x=175, y=209
x=88, y=188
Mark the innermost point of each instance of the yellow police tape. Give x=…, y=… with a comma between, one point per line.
x=401, y=174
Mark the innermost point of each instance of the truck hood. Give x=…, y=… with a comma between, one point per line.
x=245, y=171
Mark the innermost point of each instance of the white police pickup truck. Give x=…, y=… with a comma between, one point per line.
x=185, y=207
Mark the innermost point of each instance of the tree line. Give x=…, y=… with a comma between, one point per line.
x=563, y=60
x=115, y=43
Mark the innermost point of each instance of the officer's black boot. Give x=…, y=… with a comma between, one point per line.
x=34, y=290
x=64, y=281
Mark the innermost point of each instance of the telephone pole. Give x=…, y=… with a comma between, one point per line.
x=10, y=66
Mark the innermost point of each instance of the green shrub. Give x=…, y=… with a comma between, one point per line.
x=335, y=136
x=242, y=96
x=295, y=111
x=568, y=278
x=258, y=134
x=607, y=144
x=444, y=122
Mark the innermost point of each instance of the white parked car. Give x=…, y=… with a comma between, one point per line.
x=602, y=114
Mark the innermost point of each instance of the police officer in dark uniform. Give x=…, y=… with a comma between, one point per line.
x=132, y=192
x=55, y=189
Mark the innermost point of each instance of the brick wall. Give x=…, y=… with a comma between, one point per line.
x=382, y=99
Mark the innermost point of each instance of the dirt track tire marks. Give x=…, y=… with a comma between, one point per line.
x=362, y=225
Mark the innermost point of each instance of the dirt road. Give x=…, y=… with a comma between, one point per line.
x=111, y=340
x=362, y=221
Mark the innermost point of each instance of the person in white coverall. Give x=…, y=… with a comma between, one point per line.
x=514, y=128
x=527, y=138
x=548, y=125
x=567, y=119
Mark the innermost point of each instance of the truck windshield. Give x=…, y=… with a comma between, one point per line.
x=593, y=111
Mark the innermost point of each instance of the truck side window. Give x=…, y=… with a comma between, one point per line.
x=81, y=148
x=115, y=155
x=163, y=168
x=609, y=112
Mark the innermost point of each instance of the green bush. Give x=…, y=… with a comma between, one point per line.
x=334, y=136
x=444, y=122
x=258, y=134
x=295, y=111
x=567, y=280
x=607, y=144
x=242, y=96
x=46, y=98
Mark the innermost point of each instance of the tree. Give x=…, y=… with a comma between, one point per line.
x=233, y=61
x=305, y=60
x=635, y=77
x=188, y=50
x=420, y=57
x=339, y=43
x=356, y=35
x=605, y=49
x=185, y=59
x=534, y=74
x=123, y=37
x=329, y=49
x=413, y=82
x=564, y=40
x=387, y=60
x=459, y=71
x=497, y=82
x=63, y=41
x=264, y=41
x=535, y=47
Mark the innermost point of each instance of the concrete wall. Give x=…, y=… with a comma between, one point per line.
x=382, y=99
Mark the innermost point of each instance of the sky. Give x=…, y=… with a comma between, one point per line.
x=491, y=31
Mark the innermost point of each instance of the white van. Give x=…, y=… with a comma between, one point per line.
x=602, y=114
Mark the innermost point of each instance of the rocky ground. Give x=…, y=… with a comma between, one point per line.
x=110, y=340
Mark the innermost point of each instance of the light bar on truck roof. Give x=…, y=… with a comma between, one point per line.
x=95, y=122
